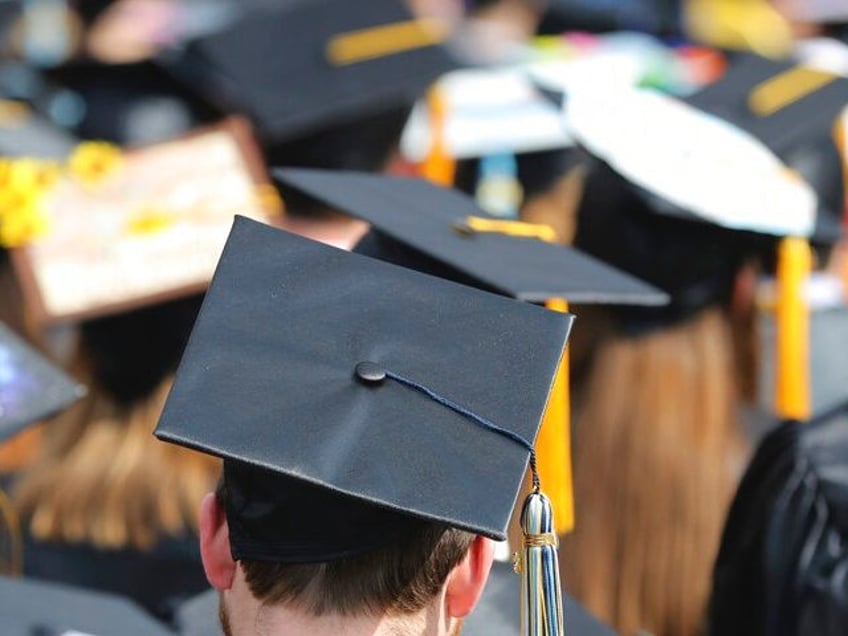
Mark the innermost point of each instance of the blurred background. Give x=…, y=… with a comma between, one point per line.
x=698, y=145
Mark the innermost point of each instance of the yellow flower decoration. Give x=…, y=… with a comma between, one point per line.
x=22, y=216
x=93, y=161
x=150, y=220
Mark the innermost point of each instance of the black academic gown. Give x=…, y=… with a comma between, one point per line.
x=159, y=580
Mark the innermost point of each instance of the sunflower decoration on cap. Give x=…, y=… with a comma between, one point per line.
x=25, y=182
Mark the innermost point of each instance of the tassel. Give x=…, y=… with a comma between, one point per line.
x=553, y=445
x=541, y=590
x=438, y=167
x=793, y=326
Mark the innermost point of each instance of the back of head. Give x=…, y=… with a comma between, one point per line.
x=120, y=489
x=385, y=564
x=658, y=450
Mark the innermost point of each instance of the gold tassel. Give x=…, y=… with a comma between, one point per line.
x=553, y=444
x=381, y=41
x=793, y=325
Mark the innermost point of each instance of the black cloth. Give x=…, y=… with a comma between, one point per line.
x=158, y=580
x=782, y=568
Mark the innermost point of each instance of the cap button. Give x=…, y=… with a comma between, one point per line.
x=370, y=372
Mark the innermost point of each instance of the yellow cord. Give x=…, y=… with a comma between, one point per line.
x=478, y=224
x=784, y=89
x=352, y=47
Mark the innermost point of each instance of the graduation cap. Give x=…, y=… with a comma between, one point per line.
x=322, y=378
x=110, y=231
x=442, y=232
x=37, y=607
x=792, y=109
x=31, y=389
x=465, y=244
x=297, y=66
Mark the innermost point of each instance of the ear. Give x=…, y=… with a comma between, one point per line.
x=215, y=552
x=466, y=581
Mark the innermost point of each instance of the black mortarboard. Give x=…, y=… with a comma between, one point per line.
x=362, y=395
x=31, y=388
x=793, y=110
x=427, y=229
x=30, y=607
x=299, y=66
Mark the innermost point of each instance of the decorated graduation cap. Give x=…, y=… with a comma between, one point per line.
x=324, y=379
x=298, y=66
x=106, y=231
x=31, y=389
x=37, y=607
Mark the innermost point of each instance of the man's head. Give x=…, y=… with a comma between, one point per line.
x=416, y=577
x=350, y=401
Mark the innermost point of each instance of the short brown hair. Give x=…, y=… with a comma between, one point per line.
x=398, y=579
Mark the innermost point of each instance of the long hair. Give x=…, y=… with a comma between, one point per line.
x=658, y=453
x=103, y=478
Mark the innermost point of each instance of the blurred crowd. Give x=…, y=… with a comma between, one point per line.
x=695, y=146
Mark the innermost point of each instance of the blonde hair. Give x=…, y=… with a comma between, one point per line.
x=104, y=479
x=658, y=454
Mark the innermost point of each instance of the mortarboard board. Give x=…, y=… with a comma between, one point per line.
x=301, y=65
x=31, y=388
x=432, y=222
x=122, y=230
x=269, y=379
x=793, y=110
x=36, y=607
